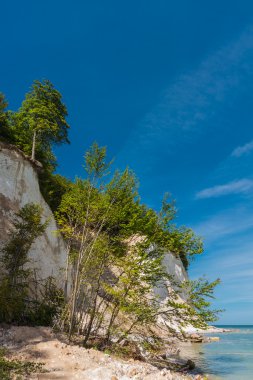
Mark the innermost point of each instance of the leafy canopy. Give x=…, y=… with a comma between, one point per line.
x=38, y=125
x=42, y=112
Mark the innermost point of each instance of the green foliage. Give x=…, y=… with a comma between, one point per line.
x=35, y=128
x=5, y=130
x=14, y=287
x=27, y=227
x=185, y=244
x=132, y=294
x=45, y=305
x=24, y=299
x=95, y=164
x=53, y=187
x=116, y=248
x=41, y=121
x=10, y=369
x=199, y=291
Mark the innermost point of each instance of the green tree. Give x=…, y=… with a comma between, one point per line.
x=81, y=219
x=53, y=187
x=41, y=122
x=197, y=310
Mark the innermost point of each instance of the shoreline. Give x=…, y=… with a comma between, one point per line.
x=66, y=361
x=192, y=346
x=209, y=330
x=232, y=356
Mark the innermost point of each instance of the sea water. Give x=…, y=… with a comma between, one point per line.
x=230, y=358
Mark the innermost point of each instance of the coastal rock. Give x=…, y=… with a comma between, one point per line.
x=213, y=339
x=175, y=364
x=172, y=351
x=196, y=338
x=175, y=268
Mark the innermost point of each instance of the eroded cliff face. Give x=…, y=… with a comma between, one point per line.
x=18, y=186
x=175, y=268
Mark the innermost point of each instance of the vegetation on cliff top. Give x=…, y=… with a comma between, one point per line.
x=38, y=125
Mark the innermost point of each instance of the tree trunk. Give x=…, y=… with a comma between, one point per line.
x=66, y=274
x=33, y=146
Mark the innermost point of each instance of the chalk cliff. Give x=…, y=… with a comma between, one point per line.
x=18, y=186
x=175, y=268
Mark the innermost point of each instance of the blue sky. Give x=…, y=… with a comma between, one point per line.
x=167, y=86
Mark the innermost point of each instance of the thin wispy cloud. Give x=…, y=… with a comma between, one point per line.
x=229, y=222
x=241, y=186
x=228, y=256
x=193, y=97
x=228, y=252
x=240, y=275
x=241, y=150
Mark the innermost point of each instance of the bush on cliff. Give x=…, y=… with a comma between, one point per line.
x=23, y=297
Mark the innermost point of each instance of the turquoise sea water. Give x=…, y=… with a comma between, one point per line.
x=230, y=358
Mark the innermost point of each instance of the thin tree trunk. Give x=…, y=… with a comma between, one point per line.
x=114, y=314
x=76, y=285
x=66, y=273
x=100, y=319
x=94, y=308
x=77, y=274
x=93, y=314
x=33, y=146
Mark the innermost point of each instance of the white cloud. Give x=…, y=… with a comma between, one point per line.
x=235, y=187
x=241, y=150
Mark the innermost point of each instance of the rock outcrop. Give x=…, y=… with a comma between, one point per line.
x=175, y=268
x=18, y=186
